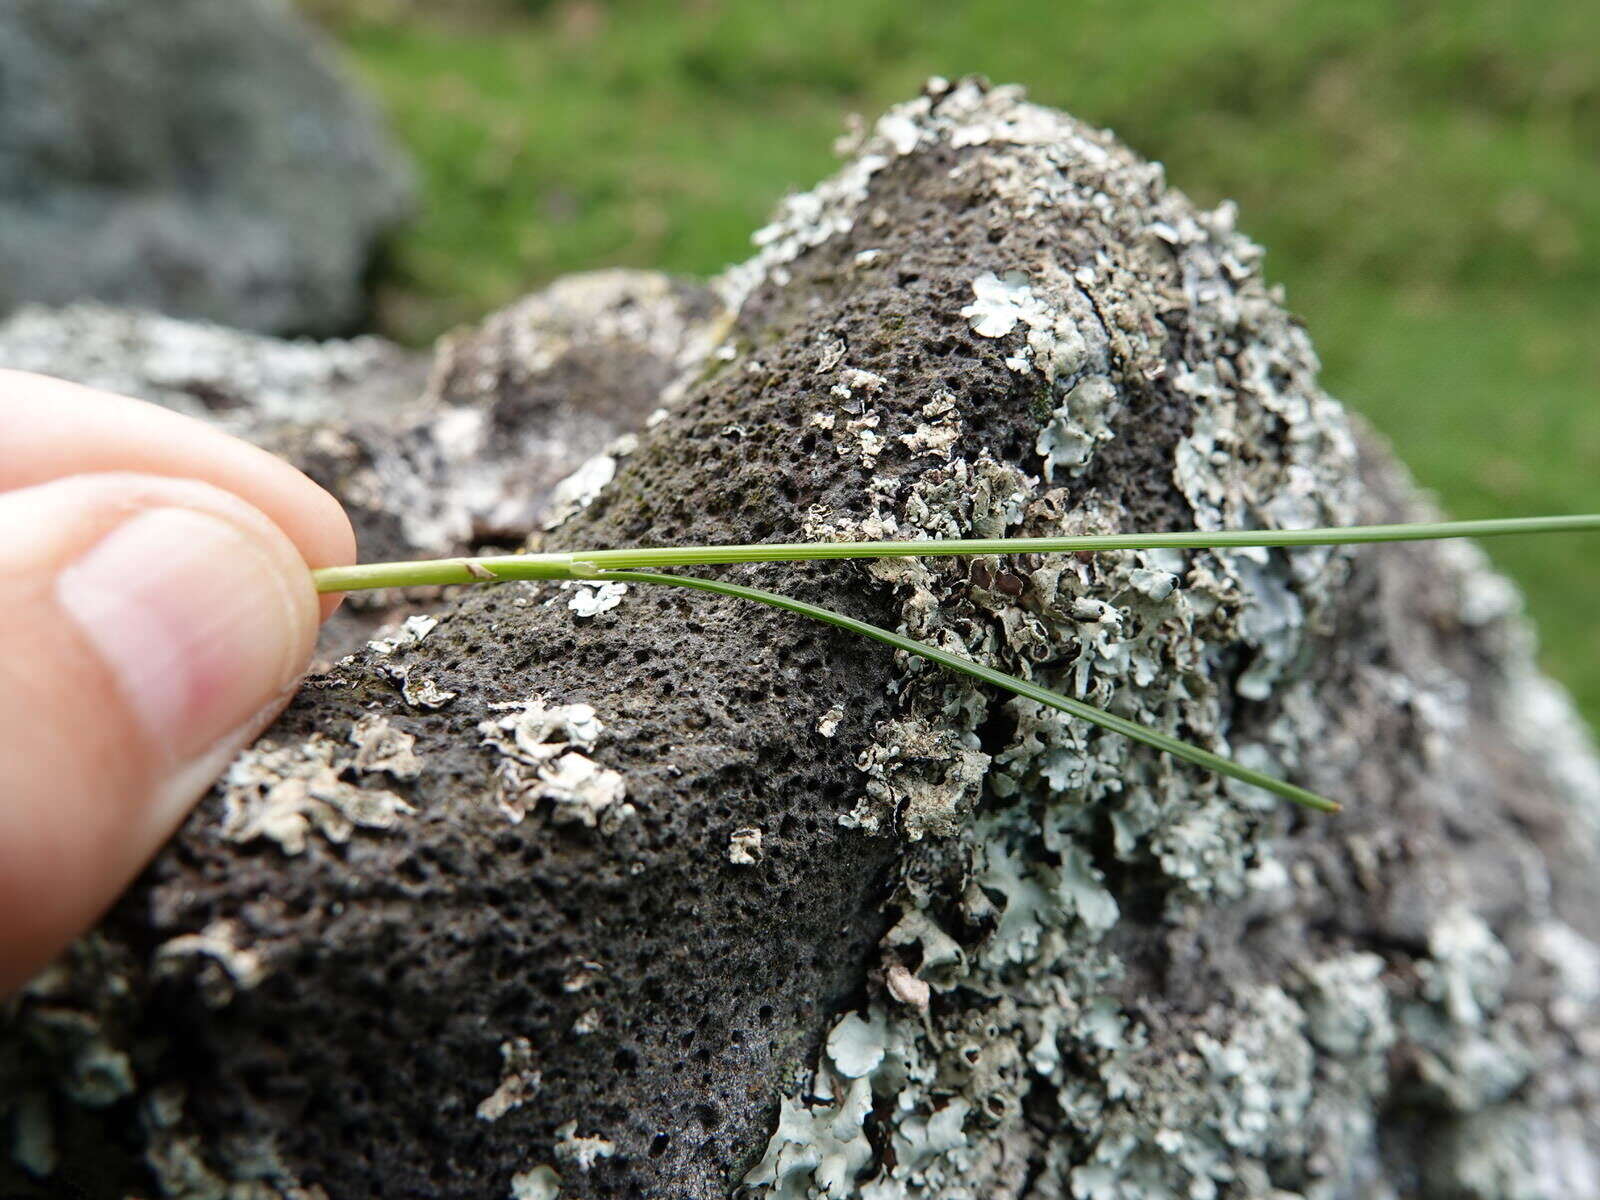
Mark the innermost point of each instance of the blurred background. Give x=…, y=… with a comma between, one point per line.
x=1425, y=175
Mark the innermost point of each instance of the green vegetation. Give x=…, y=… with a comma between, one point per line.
x=1425, y=177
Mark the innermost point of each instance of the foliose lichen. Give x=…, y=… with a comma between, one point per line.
x=1001, y=1055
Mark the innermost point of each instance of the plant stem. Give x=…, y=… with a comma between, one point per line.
x=1010, y=683
x=579, y=564
x=622, y=565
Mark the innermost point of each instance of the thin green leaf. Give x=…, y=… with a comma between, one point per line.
x=626, y=564
x=579, y=563
x=1010, y=683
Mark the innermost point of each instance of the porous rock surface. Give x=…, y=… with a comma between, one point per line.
x=638, y=893
x=197, y=158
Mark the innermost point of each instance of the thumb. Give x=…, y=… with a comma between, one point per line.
x=149, y=628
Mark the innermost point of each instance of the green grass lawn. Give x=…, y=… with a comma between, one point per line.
x=1426, y=177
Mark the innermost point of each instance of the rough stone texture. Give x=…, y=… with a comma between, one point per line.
x=672, y=896
x=196, y=158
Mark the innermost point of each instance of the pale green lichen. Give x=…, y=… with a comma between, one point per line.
x=33, y=1145
x=1278, y=1083
x=189, y=1167
x=1470, y=1054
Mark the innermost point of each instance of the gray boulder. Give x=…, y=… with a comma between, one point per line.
x=595, y=893
x=194, y=157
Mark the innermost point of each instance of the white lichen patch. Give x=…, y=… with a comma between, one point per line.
x=817, y=1150
x=382, y=747
x=217, y=957
x=393, y=651
x=921, y=779
x=581, y=1150
x=1066, y=343
x=1079, y=425
x=905, y=987
x=1028, y=827
x=999, y=304
x=581, y=976
x=520, y=1083
x=420, y=691
x=411, y=633
x=744, y=846
x=590, y=600
x=542, y=757
x=285, y=792
x=578, y=490
x=536, y=1183
x=857, y=380
x=828, y=723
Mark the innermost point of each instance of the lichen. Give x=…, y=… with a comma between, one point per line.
x=188, y=1167
x=1106, y=974
x=1469, y=1053
x=744, y=846
x=589, y=600
x=520, y=1083
x=419, y=691
x=581, y=1150
x=33, y=1135
x=578, y=490
x=216, y=958
x=412, y=631
x=542, y=757
x=1019, y=947
x=285, y=792
x=380, y=747
x=920, y=779
x=536, y=1183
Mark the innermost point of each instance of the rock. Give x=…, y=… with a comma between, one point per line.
x=430, y=458
x=202, y=159
x=983, y=952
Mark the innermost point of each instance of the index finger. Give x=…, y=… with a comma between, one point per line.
x=50, y=429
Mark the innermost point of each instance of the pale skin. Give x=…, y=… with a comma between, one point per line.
x=156, y=612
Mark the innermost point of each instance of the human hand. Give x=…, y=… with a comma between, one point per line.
x=156, y=612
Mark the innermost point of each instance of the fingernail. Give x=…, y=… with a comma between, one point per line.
x=199, y=622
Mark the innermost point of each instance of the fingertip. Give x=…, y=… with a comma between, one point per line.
x=152, y=627
x=53, y=429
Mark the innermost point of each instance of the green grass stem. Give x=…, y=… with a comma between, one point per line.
x=579, y=564
x=1010, y=683
x=630, y=566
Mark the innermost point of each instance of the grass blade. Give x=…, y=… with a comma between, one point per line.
x=579, y=563
x=1021, y=687
x=629, y=566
